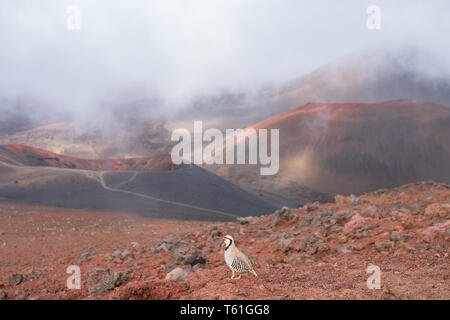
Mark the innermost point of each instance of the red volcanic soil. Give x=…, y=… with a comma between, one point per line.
x=21, y=155
x=318, y=251
x=343, y=111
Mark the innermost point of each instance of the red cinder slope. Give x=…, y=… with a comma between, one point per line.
x=354, y=147
x=21, y=155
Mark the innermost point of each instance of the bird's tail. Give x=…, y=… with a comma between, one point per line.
x=254, y=273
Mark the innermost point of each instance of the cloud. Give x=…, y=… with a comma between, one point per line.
x=166, y=53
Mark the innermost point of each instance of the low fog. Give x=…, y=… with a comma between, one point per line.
x=137, y=60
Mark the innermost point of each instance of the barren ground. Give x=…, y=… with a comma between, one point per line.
x=319, y=251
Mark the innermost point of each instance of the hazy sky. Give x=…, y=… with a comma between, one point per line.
x=177, y=49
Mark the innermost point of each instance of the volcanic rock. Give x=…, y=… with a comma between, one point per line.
x=127, y=255
x=3, y=295
x=194, y=259
x=177, y=274
x=396, y=236
x=15, y=279
x=438, y=211
x=103, y=280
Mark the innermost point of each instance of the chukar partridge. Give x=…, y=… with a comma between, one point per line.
x=235, y=259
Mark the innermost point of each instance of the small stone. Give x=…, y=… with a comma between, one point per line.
x=163, y=246
x=326, y=213
x=311, y=239
x=135, y=245
x=244, y=220
x=381, y=245
x=83, y=257
x=311, y=207
x=354, y=201
x=316, y=219
x=284, y=243
x=3, y=295
x=103, y=280
x=168, y=240
x=194, y=259
x=127, y=255
x=15, y=279
x=177, y=274
x=396, y=236
x=347, y=248
x=37, y=273
x=243, y=293
x=275, y=221
x=284, y=213
x=198, y=266
x=180, y=250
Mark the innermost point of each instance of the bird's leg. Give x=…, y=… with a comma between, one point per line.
x=232, y=276
x=239, y=276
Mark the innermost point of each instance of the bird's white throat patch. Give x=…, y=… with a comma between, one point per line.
x=227, y=244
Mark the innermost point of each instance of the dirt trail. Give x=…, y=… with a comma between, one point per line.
x=133, y=176
x=99, y=176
